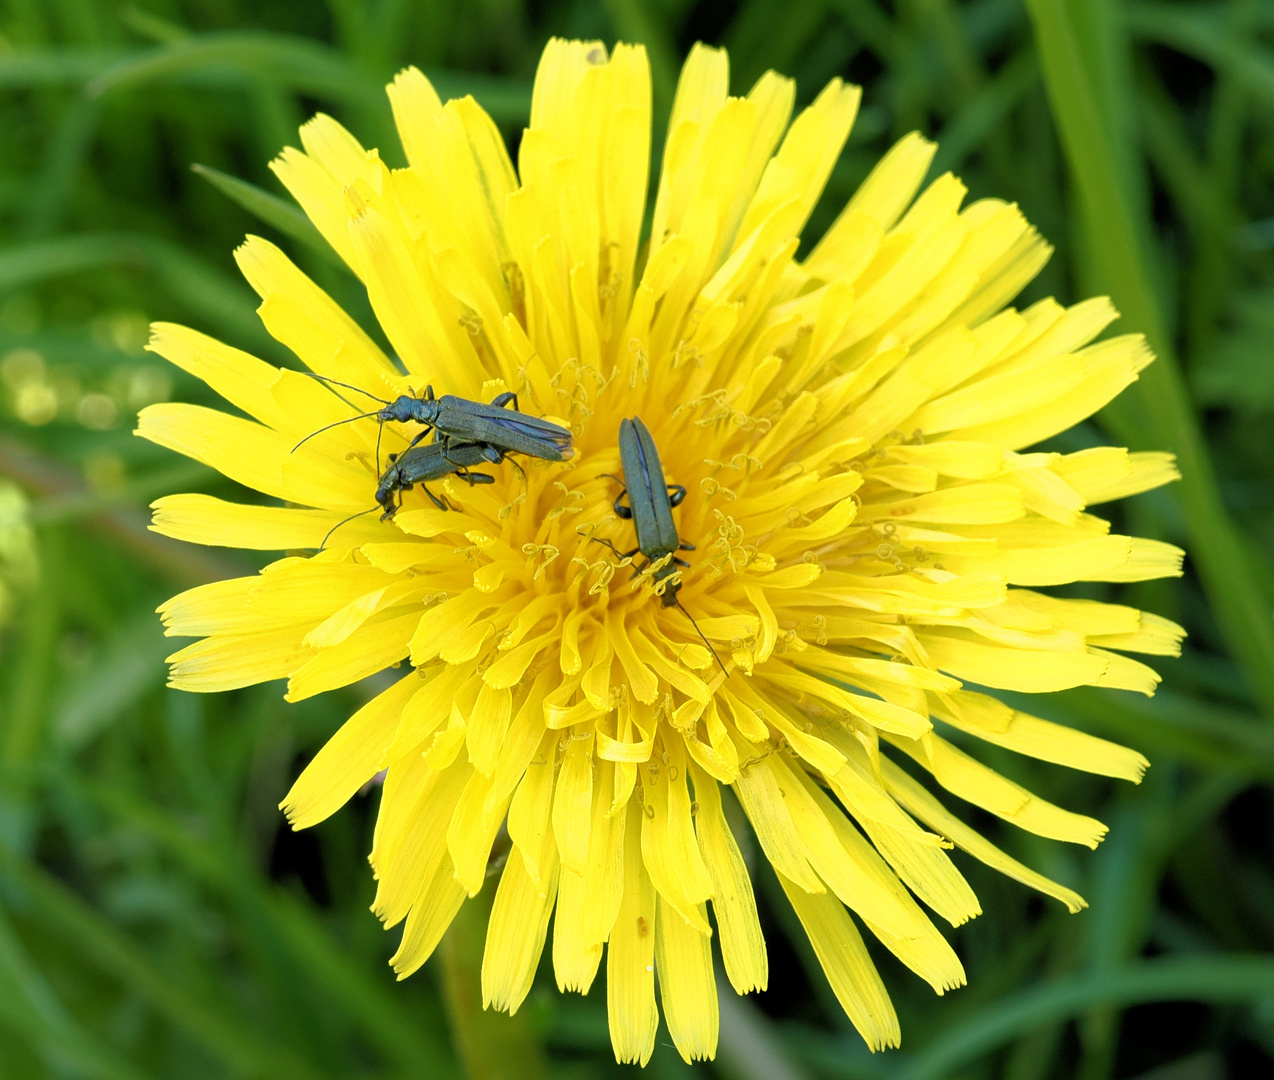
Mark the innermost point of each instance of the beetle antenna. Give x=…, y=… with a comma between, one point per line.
x=347, y=520
x=348, y=386
x=609, y=544
x=702, y=635
x=338, y=423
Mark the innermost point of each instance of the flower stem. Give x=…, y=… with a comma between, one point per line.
x=491, y=1046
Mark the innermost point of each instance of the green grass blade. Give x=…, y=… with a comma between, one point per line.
x=634, y=21
x=126, y=527
x=275, y=212
x=303, y=64
x=507, y=100
x=365, y=999
x=220, y=302
x=227, y=1037
x=985, y=114
x=210, y=295
x=27, y=695
x=1212, y=979
x=1173, y=725
x=135, y=494
x=56, y=67
x=51, y=189
x=23, y=265
x=29, y=1005
x=1119, y=264
x=300, y=62
x=1169, y=151
x=151, y=26
x=131, y=665
x=1205, y=35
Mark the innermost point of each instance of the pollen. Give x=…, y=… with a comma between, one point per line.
x=864, y=532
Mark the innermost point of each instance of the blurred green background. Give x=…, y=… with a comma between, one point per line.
x=156, y=917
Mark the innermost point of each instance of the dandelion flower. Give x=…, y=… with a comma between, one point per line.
x=872, y=535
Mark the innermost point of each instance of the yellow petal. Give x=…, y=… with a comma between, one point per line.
x=435, y=906
x=348, y=759
x=474, y=824
x=529, y=814
x=575, y=959
x=687, y=986
x=604, y=876
x=1031, y=671
x=202, y=519
x=572, y=805
x=762, y=799
x=382, y=642
x=668, y=843
x=515, y=936
x=414, y=862
x=733, y=904
x=630, y=956
x=880, y=199
x=849, y=969
x=231, y=661
x=303, y=317
x=805, y=159
x=930, y=811
x=1025, y=734
x=973, y=781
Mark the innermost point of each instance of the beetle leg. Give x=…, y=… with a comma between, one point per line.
x=428, y=429
x=676, y=492
x=625, y=512
x=429, y=393
x=683, y=546
x=391, y=507
x=681, y=562
x=501, y=400
x=457, y=466
x=434, y=498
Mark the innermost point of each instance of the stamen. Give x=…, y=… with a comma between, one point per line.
x=534, y=551
x=517, y=291
x=641, y=364
x=564, y=506
x=503, y=513
x=606, y=573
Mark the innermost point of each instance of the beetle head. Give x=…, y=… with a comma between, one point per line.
x=401, y=409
